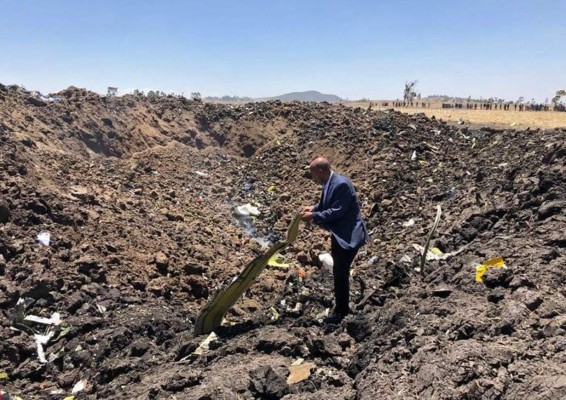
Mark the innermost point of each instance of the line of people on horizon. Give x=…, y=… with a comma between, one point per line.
x=478, y=106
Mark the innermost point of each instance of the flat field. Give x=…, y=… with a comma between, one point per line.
x=497, y=118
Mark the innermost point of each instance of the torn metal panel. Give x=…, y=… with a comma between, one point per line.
x=212, y=314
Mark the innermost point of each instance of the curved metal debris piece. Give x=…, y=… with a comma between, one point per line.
x=211, y=315
x=425, y=251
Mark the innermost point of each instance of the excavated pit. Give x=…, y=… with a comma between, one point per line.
x=138, y=195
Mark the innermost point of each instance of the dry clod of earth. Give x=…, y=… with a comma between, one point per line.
x=137, y=195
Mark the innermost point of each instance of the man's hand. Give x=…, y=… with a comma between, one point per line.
x=306, y=216
x=307, y=209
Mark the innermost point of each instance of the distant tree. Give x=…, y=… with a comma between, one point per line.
x=520, y=100
x=196, y=96
x=409, y=93
x=558, y=95
x=112, y=91
x=228, y=98
x=156, y=93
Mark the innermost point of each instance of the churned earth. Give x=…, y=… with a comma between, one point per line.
x=137, y=198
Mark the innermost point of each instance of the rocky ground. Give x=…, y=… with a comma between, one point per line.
x=137, y=195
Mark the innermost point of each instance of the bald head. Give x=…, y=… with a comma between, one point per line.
x=320, y=163
x=320, y=169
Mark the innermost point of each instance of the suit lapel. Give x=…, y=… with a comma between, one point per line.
x=327, y=189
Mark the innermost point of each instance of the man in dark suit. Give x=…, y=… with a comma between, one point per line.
x=338, y=211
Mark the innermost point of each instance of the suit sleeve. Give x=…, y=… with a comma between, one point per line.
x=341, y=201
x=318, y=205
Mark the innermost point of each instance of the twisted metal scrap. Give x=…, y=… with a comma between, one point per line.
x=436, y=221
x=212, y=314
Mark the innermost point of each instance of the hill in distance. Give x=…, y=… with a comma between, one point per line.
x=310, y=95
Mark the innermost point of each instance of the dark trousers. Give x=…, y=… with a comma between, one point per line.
x=342, y=261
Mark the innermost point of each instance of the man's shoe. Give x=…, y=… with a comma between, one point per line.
x=334, y=318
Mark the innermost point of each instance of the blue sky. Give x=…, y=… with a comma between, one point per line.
x=352, y=48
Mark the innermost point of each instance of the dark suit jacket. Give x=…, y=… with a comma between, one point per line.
x=339, y=212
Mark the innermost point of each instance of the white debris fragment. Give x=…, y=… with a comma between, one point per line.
x=247, y=209
x=200, y=173
x=44, y=238
x=414, y=156
x=298, y=308
x=79, y=386
x=409, y=223
x=40, y=340
x=20, y=309
x=205, y=344
x=54, y=320
x=327, y=261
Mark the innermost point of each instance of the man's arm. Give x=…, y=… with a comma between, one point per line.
x=341, y=201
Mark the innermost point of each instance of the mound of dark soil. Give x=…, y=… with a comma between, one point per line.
x=137, y=195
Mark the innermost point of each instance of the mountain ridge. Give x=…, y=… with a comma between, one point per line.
x=309, y=95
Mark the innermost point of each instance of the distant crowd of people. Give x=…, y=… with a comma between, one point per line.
x=506, y=106
x=417, y=104
x=480, y=106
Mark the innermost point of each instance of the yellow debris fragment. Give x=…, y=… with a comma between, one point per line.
x=436, y=251
x=271, y=188
x=496, y=262
x=274, y=314
x=3, y=375
x=276, y=260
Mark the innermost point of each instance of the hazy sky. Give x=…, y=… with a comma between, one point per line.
x=354, y=49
